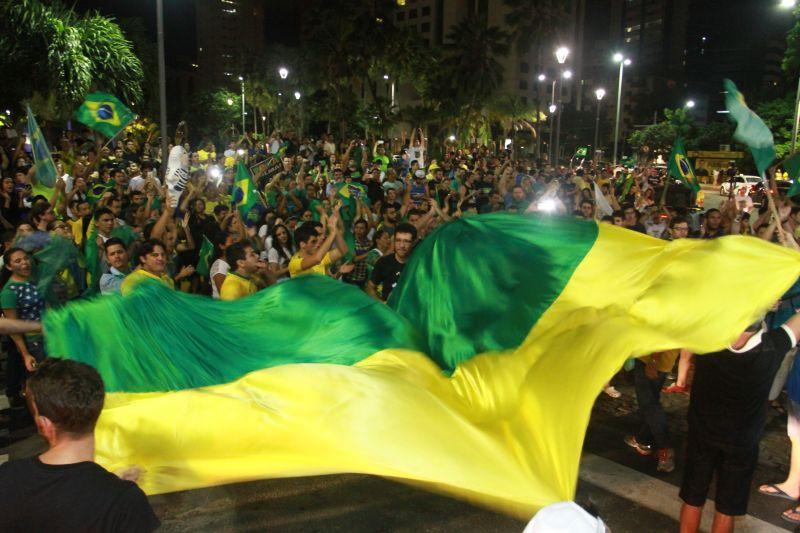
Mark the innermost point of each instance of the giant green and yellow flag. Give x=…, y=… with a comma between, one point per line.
x=750, y=129
x=477, y=379
x=679, y=166
x=104, y=112
x=45, y=168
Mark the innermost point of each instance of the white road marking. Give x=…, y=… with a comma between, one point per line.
x=655, y=494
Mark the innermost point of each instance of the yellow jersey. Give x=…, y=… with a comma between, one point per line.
x=138, y=276
x=236, y=286
x=297, y=260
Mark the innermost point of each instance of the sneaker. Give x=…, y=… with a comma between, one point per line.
x=611, y=391
x=641, y=449
x=666, y=460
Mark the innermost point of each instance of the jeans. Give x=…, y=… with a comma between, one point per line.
x=653, y=429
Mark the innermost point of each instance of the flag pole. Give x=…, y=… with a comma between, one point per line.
x=771, y=202
x=116, y=134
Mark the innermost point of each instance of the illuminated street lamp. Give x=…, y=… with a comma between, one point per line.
x=623, y=62
x=690, y=104
x=561, y=57
x=283, y=72
x=599, y=93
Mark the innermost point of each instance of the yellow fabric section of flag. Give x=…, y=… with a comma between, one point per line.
x=505, y=430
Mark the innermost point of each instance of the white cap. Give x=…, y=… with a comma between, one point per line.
x=564, y=517
x=419, y=174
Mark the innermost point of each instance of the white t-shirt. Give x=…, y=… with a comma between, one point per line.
x=416, y=153
x=220, y=266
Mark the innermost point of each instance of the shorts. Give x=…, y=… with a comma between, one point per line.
x=734, y=467
x=793, y=419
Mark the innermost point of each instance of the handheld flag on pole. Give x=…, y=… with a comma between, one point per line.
x=679, y=166
x=582, y=151
x=45, y=168
x=97, y=191
x=206, y=253
x=750, y=129
x=103, y=112
x=243, y=194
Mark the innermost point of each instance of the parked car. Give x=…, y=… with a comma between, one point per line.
x=750, y=182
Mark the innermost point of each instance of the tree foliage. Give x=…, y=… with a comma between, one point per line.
x=83, y=53
x=534, y=22
x=211, y=114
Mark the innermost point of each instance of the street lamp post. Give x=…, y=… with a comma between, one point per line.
x=162, y=85
x=623, y=62
x=599, y=93
x=553, y=107
x=241, y=79
x=561, y=57
x=541, y=79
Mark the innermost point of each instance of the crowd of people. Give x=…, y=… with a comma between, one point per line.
x=354, y=211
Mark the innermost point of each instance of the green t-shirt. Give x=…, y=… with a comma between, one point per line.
x=383, y=160
x=24, y=298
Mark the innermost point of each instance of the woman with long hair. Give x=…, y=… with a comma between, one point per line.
x=281, y=251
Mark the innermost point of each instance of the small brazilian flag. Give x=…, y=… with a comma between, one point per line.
x=103, y=112
x=206, y=254
x=679, y=166
x=582, y=151
x=244, y=194
x=97, y=191
x=45, y=168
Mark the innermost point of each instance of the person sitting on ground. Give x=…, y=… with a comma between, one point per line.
x=63, y=489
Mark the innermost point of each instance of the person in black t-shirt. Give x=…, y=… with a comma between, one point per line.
x=63, y=489
x=387, y=270
x=727, y=412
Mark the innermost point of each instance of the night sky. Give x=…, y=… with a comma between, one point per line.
x=745, y=22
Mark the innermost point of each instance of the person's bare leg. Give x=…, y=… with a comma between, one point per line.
x=792, y=484
x=690, y=518
x=723, y=523
x=684, y=363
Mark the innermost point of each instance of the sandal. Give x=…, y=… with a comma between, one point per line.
x=611, y=391
x=675, y=389
x=792, y=515
x=773, y=490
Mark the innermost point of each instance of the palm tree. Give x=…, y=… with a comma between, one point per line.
x=513, y=116
x=465, y=74
x=535, y=21
x=61, y=51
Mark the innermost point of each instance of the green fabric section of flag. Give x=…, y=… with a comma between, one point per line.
x=45, y=168
x=204, y=261
x=474, y=312
x=104, y=112
x=582, y=151
x=792, y=166
x=243, y=193
x=680, y=167
x=186, y=341
x=750, y=129
x=512, y=297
